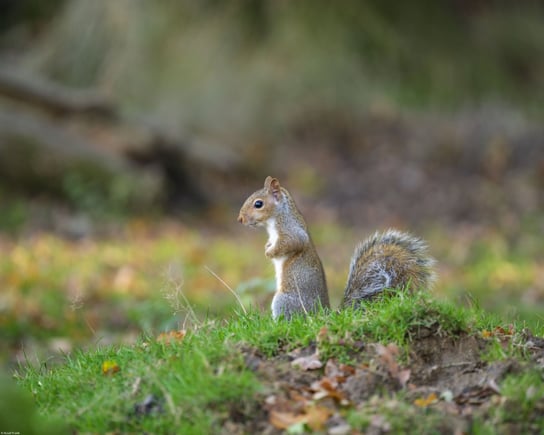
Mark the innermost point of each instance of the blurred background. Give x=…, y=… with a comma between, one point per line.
x=132, y=131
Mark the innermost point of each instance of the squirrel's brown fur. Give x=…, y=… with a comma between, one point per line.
x=386, y=260
x=300, y=279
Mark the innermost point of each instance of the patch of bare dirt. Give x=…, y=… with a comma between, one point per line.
x=444, y=373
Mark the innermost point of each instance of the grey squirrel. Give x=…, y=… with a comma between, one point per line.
x=391, y=259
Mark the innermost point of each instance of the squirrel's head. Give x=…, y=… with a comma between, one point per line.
x=262, y=204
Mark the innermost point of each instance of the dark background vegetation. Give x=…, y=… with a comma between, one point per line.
x=130, y=133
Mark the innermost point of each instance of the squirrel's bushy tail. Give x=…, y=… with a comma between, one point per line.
x=391, y=259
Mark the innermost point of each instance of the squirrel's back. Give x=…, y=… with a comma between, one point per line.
x=391, y=259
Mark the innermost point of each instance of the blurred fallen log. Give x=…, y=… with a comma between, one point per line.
x=53, y=137
x=52, y=97
x=41, y=158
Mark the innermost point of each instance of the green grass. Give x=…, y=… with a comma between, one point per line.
x=196, y=383
x=524, y=393
x=201, y=380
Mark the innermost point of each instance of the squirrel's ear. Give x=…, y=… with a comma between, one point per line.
x=267, y=182
x=272, y=185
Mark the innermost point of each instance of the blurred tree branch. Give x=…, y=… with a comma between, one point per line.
x=52, y=97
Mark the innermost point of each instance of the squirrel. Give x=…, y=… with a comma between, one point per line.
x=387, y=260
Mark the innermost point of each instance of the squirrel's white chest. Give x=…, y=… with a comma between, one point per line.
x=278, y=262
x=278, y=266
x=273, y=234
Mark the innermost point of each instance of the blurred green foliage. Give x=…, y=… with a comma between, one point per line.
x=19, y=414
x=225, y=67
x=16, y=12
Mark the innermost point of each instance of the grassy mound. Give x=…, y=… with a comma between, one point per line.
x=406, y=363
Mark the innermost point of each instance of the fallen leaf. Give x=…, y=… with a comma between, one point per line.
x=501, y=330
x=388, y=359
x=322, y=334
x=110, y=367
x=328, y=384
x=317, y=416
x=424, y=402
x=338, y=372
x=284, y=420
x=297, y=396
x=403, y=376
x=327, y=388
x=172, y=336
x=486, y=334
x=310, y=362
x=498, y=331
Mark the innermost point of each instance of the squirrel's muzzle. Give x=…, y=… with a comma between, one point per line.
x=240, y=218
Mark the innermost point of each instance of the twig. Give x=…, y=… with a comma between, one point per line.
x=300, y=297
x=228, y=287
x=173, y=296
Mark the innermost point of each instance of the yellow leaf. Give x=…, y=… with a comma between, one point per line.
x=424, y=402
x=110, y=367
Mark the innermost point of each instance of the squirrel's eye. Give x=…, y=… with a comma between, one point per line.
x=258, y=204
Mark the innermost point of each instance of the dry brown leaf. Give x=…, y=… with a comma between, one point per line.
x=328, y=384
x=317, y=416
x=388, y=359
x=338, y=372
x=347, y=370
x=310, y=362
x=322, y=334
x=327, y=388
x=403, y=376
x=297, y=396
x=501, y=330
x=284, y=420
x=172, y=336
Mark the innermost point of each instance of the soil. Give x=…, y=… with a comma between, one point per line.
x=446, y=374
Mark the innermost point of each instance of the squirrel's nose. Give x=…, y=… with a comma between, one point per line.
x=240, y=218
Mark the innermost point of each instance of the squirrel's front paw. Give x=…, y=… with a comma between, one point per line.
x=269, y=250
